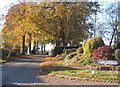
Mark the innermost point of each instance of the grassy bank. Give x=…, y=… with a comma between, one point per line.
x=54, y=68
x=12, y=58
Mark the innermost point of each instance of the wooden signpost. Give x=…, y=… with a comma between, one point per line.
x=110, y=62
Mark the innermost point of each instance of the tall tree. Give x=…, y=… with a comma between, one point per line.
x=113, y=21
x=18, y=21
x=66, y=22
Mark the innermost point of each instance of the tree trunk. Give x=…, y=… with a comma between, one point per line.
x=30, y=43
x=23, y=45
x=57, y=43
x=37, y=46
x=64, y=41
x=63, y=36
x=112, y=38
x=9, y=54
x=114, y=31
x=41, y=48
x=44, y=48
x=34, y=45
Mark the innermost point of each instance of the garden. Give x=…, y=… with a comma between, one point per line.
x=77, y=63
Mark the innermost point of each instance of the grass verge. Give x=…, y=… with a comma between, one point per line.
x=54, y=68
x=12, y=58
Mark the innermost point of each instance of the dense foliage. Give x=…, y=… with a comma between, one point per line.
x=46, y=22
x=68, y=51
x=117, y=45
x=90, y=45
x=70, y=56
x=104, y=52
x=117, y=54
x=80, y=50
x=12, y=53
x=86, y=61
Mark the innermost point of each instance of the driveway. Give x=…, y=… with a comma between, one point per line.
x=25, y=72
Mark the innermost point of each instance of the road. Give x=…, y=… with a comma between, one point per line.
x=25, y=72
x=22, y=71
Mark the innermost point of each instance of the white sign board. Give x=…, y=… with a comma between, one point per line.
x=111, y=62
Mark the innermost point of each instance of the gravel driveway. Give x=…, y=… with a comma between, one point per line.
x=24, y=72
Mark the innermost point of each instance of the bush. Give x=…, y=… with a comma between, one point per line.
x=90, y=45
x=43, y=53
x=60, y=57
x=117, y=54
x=104, y=52
x=58, y=50
x=10, y=53
x=80, y=50
x=86, y=61
x=33, y=51
x=76, y=58
x=70, y=56
x=117, y=45
x=5, y=53
x=15, y=52
x=68, y=51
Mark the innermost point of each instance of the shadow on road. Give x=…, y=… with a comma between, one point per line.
x=21, y=72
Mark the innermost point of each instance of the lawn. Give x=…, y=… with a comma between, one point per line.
x=12, y=58
x=59, y=69
x=87, y=74
x=1, y=61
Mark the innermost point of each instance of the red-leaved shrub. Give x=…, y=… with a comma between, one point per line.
x=104, y=52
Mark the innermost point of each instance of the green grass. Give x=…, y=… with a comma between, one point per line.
x=12, y=58
x=1, y=61
x=59, y=69
x=87, y=74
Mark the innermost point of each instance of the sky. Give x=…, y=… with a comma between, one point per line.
x=6, y=4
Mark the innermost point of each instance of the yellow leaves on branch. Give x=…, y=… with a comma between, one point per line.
x=48, y=21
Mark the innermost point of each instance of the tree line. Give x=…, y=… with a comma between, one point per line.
x=61, y=23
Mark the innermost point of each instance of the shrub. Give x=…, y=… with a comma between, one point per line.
x=86, y=61
x=58, y=50
x=43, y=53
x=70, y=56
x=104, y=52
x=5, y=53
x=117, y=45
x=60, y=57
x=15, y=52
x=117, y=54
x=76, y=58
x=80, y=50
x=68, y=51
x=33, y=51
x=90, y=45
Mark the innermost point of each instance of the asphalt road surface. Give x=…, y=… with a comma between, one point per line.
x=25, y=72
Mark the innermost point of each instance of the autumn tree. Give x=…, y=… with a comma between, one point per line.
x=66, y=22
x=48, y=22
x=18, y=21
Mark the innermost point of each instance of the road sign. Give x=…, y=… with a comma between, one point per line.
x=111, y=62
